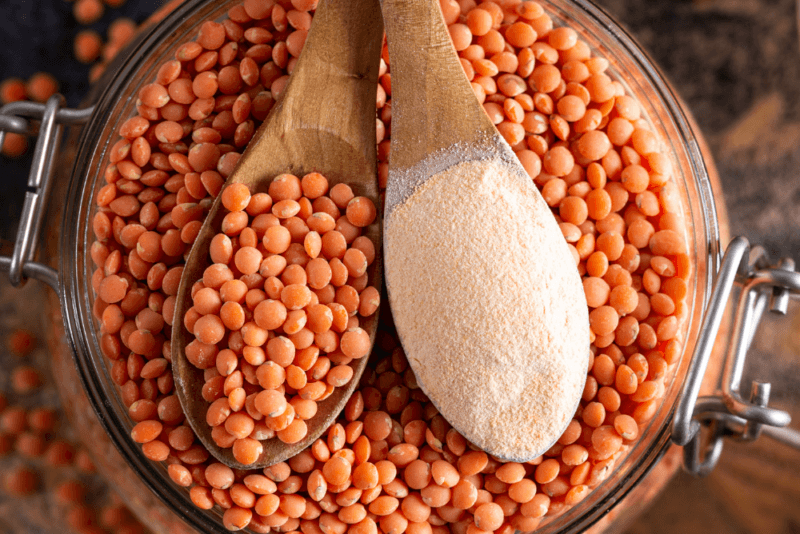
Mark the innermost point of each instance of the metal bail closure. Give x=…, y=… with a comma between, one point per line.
x=728, y=414
x=14, y=118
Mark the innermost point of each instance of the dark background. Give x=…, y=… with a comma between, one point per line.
x=736, y=63
x=37, y=35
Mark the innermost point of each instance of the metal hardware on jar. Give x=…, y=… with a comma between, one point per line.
x=728, y=414
x=14, y=117
x=725, y=415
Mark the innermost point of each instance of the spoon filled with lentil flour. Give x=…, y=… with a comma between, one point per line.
x=484, y=291
x=323, y=129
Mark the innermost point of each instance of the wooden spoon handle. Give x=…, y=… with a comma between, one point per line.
x=434, y=106
x=337, y=72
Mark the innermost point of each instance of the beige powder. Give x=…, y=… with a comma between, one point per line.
x=489, y=307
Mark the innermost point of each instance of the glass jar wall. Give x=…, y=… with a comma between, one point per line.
x=633, y=482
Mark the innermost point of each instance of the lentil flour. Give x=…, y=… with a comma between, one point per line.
x=489, y=306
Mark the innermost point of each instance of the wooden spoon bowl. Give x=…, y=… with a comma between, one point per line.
x=438, y=123
x=323, y=122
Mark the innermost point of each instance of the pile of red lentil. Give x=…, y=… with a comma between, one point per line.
x=391, y=462
x=41, y=465
x=283, y=297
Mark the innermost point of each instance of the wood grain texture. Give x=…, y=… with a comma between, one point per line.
x=436, y=120
x=755, y=488
x=434, y=106
x=324, y=122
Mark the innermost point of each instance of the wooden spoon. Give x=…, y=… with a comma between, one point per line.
x=323, y=122
x=438, y=123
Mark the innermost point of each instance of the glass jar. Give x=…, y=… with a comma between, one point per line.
x=92, y=398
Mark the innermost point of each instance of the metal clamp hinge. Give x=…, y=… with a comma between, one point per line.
x=728, y=414
x=15, y=117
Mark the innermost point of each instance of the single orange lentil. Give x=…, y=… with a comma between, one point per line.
x=361, y=211
x=355, y=343
x=574, y=210
x=42, y=419
x=235, y=197
x=489, y=517
x=87, y=11
x=21, y=481
x=603, y=320
x=14, y=145
x=87, y=46
x=42, y=85
x=336, y=470
x=293, y=433
x=25, y=379
x=635, y=178
x=626, y=427
x=59, y=453
x=593, y=145
x=520, y=34
x=12, y=90
x=546, y=471
x=247, y=450
x=572, y=108
x=314, y=185
x=562, y=38
x=460, y=35
x=122, y=29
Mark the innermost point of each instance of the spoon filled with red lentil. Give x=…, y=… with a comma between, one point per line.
x=276, y=308
x=485, y=293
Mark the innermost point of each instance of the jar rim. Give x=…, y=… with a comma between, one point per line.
x=704, y=232
x=76, y=238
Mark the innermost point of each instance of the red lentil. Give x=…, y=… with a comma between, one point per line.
x=21, y=481
x=87, y=11
x=14, y=145
x=87, y=46
x=286, y=307
x=25, y=379
x=41, y=86
x=585, y=147
x=35, y=436
x=12, y=90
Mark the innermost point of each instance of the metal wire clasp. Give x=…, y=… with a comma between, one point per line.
x=14, y=117
x=728, y=414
